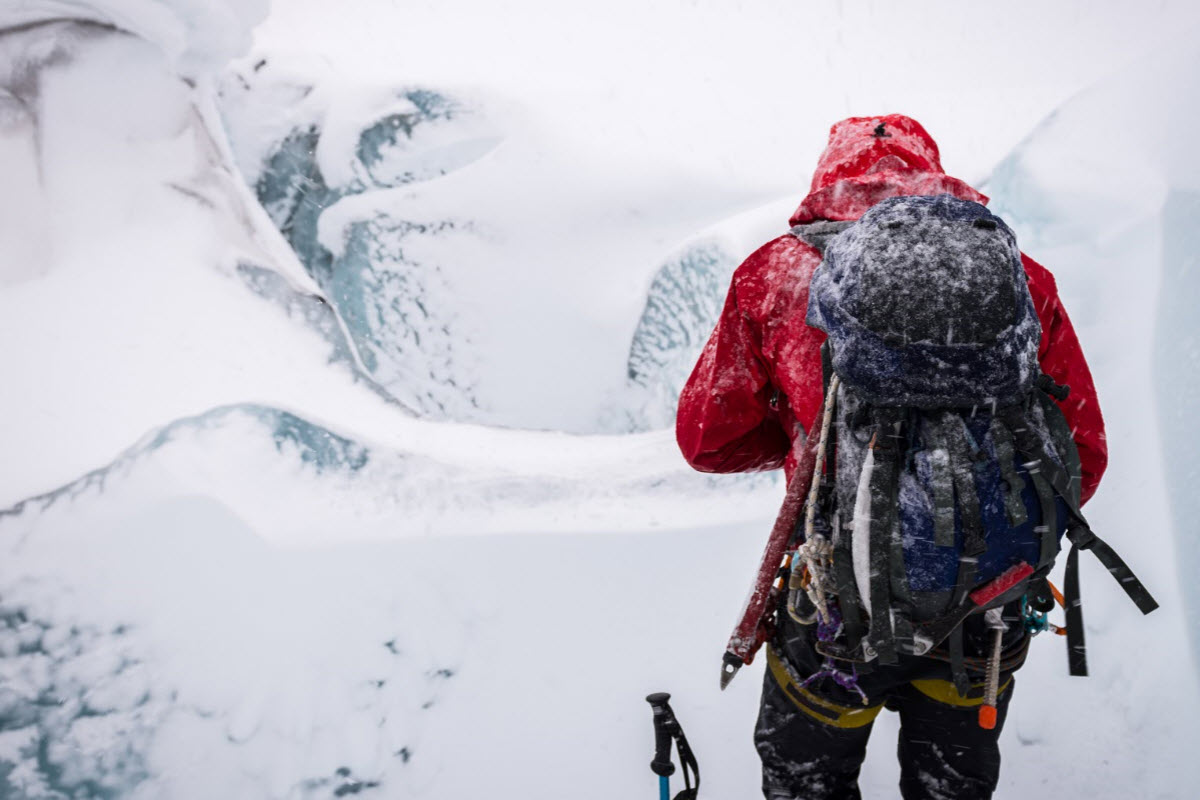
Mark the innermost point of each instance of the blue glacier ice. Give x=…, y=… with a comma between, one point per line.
x=682, y=306
x=398, y=308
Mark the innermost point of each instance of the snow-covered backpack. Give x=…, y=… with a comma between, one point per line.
x=950, y=474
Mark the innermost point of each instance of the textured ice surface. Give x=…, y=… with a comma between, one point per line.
x=396, y=303
x=1101, y=193
x=77, y=714
x=682, y=306
x=382, y=274
x=1110, y=211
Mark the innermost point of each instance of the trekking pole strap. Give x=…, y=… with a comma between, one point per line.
x=688, y=765
x=666, y=730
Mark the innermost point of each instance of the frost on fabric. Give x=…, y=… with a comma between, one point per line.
x=924, y=300
x=682, y=306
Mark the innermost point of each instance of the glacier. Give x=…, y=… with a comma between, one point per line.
x=1108, y=209
x=397, y=308
x=254, y=546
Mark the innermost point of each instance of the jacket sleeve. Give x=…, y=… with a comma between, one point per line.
x=726, y=421
x=1062, y=359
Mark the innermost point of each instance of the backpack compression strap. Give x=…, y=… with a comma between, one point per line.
x=1082, y=538
x=950, y=434
x=891, y=603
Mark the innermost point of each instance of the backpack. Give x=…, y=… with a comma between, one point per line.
x=950, y=475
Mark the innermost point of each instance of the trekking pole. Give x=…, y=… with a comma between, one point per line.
x=666, y=729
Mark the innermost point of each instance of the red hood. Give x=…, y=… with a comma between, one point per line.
x=869, y=159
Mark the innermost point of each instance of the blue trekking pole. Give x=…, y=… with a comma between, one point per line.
x=666, y=730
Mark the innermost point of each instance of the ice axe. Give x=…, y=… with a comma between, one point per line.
x=666, y=730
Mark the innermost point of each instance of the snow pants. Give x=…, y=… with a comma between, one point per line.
x=812, y=739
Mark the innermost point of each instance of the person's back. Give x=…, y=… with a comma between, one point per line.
x=750, y=404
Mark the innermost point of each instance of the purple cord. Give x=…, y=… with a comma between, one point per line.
x=826, y=631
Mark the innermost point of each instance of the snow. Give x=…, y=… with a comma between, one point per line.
x=236, y=565
x=197, y=37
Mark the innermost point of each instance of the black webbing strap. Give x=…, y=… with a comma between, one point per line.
x=1082, y=538
x=1080, y=533
x=941, y=481
x=1014, y=505
x=974, y=545
x=882, y=486
x=1048, y=530
x=1076, y=646
x=955, y=433
x=962, y=466
x=849, y=603
x=902, y=604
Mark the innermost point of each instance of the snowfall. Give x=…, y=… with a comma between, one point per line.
x=341, y=344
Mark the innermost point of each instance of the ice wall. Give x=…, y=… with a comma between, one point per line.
x=137, y=261
x=320, y=154
x=1176, y=384
x=1104, y=193
x=682, y=307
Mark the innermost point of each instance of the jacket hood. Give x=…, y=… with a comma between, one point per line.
x=869, y=159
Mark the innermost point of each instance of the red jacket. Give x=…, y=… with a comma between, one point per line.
x=757, y=385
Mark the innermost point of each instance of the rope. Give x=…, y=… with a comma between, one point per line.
x=817, y=551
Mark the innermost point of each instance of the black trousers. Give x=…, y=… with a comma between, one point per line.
x=812, y=740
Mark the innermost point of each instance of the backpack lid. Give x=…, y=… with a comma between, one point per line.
x=926, y=304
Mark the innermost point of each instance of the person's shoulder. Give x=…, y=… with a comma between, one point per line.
x=1041, y=280
x=1043, y=289
x=775, y=265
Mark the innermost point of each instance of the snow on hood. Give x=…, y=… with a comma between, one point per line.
x=199, y=37
x=869, y=159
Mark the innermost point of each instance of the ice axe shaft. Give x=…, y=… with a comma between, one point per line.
x=753, y=629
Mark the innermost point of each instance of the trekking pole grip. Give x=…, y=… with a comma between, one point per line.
x=664, y=725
